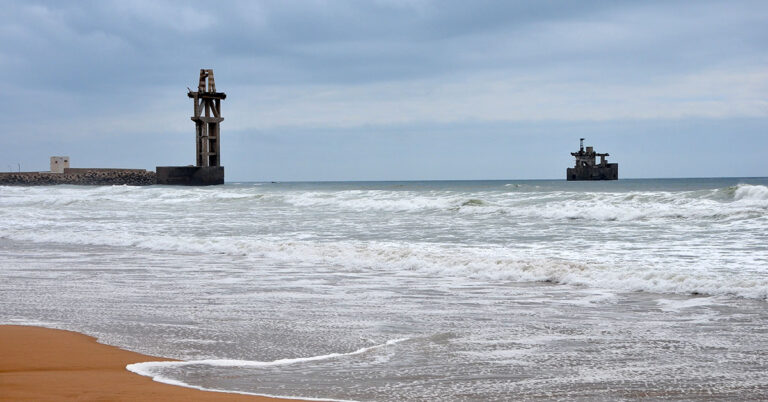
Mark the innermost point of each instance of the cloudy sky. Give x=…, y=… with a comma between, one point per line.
x=390, y=90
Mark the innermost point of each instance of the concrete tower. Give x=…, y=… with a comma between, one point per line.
x=207, y=117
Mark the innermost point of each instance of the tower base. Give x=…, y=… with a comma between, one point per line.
x=190, y=175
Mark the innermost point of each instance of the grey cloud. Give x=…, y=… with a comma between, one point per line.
x=109, y=70
x=99, y=44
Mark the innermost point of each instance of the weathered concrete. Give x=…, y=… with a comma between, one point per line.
x=609, y=172
x=587, y=169
x=59, y=163
x=97, y=177
x=207, y=118
x=101, y=170
x=190, y=175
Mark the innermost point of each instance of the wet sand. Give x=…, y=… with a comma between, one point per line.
x=47, y=364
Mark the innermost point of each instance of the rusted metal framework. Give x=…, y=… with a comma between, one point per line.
x=207, y=117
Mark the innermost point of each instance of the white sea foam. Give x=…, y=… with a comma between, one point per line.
x=152, y=369
x=243, y=271
x=146, y=368
x=171, y=381
x=750, y=192
x=677, y=305
x=553, y=204
x=658, y=241
x=486, y=263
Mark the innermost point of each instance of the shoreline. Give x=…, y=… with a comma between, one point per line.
x=52, y=364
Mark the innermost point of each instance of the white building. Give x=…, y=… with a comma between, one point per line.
x=59, y=163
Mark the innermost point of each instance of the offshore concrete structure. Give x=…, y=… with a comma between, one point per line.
x=587, y=169
x=207, y=118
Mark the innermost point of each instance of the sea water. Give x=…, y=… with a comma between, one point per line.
x=476, y=290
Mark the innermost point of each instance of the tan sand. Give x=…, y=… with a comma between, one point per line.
x=44, y=364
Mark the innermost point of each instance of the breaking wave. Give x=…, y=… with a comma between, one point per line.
x=742, y=199
x=750, y=192
x=655, y=241
x=465, y=263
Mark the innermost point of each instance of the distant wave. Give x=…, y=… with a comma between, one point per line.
x=742, y=199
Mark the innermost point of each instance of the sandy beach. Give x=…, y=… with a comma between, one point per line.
x=48, y=364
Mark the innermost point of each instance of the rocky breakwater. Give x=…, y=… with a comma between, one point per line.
x=97, y=177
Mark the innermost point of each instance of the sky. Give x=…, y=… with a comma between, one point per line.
x=390, y=90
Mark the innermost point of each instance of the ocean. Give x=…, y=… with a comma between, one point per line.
x=430, y=290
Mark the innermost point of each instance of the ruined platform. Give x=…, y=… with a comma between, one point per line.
x=608, y=172
x=190, y=175
x=587, y=168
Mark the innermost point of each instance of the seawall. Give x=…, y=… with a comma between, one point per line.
x=98, y=177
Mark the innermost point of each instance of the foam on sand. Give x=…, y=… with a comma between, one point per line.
x=150, y=369
x=51, y=364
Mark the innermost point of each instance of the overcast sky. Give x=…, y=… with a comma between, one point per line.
x=390, y=90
